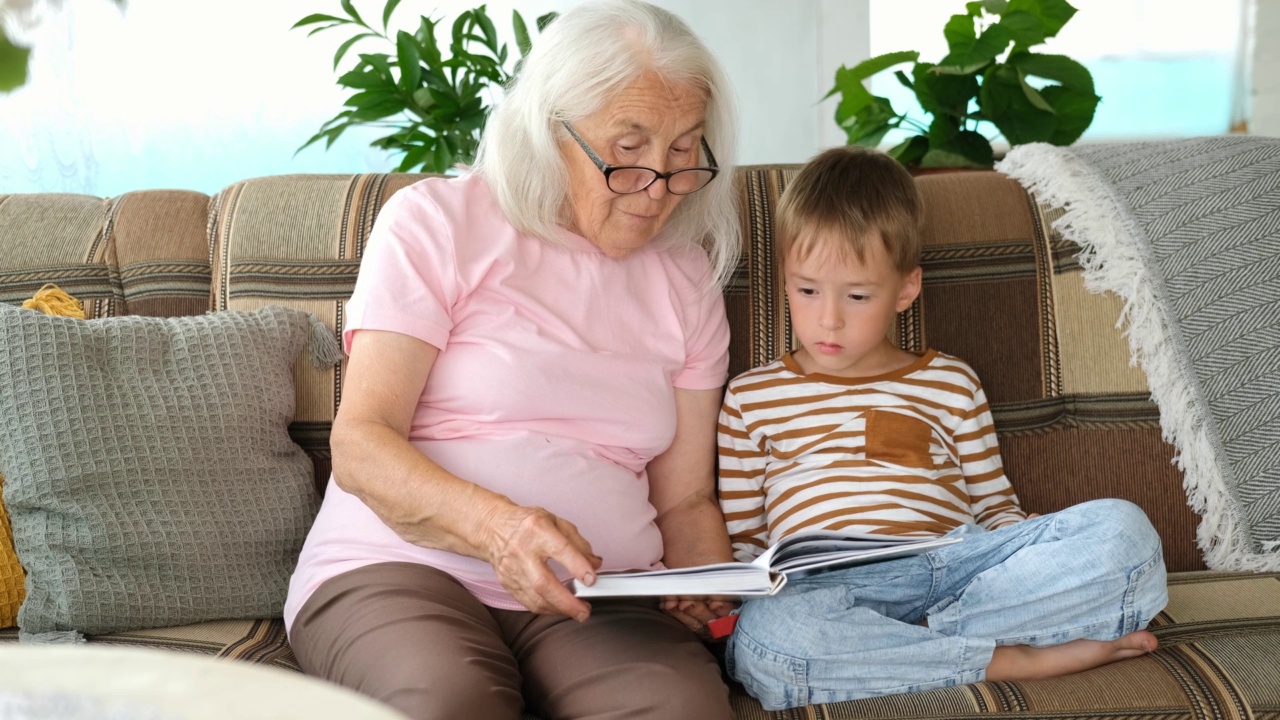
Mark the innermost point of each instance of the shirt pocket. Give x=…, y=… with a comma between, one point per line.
x=897, y=439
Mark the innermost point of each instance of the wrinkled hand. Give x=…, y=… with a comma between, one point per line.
x=696, y=612
x=518, y=542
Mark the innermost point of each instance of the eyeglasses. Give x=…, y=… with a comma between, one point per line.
x=627, y=179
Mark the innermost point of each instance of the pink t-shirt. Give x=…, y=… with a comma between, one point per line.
x=554, y=384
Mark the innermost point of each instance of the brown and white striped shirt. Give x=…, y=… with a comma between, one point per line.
x=912, y=452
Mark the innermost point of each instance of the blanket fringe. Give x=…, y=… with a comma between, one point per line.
x=1112, y=258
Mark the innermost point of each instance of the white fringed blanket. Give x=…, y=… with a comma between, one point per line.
x=1187, y=233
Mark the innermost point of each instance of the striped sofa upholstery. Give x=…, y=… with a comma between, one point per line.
x=1001, y=290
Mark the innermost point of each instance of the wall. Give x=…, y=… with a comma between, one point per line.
x=158, y=96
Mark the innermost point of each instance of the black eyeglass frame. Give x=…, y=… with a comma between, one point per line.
x=609, y=170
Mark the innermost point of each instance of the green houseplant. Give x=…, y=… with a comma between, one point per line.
x=982, y=80
x=432, y=104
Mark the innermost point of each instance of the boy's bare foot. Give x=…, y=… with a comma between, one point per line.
x=1023, y=662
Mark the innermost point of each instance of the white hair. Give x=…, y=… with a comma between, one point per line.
x=585, y=58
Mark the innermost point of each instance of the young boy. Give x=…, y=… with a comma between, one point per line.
x=849, y=432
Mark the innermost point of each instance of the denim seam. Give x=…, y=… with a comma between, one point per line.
x=797, y=667
x=1129, y=613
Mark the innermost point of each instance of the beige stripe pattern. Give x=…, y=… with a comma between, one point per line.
x=912, y=452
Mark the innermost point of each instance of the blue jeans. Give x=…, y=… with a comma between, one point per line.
x=1093, y=571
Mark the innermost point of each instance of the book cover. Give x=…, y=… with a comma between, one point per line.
x=799, y=554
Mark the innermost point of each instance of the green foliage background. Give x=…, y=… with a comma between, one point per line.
x=972, y=85
x=432, y=104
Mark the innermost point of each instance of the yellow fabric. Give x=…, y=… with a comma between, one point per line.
x=50, y=300
x=12, y=576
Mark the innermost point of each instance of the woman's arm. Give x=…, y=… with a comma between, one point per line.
x=682, y=488
x=427, y=506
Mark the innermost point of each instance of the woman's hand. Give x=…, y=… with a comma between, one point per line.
x=518, y=541
x=696, y=612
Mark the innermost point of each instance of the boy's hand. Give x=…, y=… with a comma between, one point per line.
x=696, y=612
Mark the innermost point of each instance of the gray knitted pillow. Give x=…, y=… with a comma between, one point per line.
x=149, y=473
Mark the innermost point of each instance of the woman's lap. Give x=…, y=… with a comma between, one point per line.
x=413, y=637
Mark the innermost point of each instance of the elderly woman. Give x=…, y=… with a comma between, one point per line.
x=537, y=350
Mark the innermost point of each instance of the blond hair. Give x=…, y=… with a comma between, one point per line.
x=584, y=59
x=851, y=193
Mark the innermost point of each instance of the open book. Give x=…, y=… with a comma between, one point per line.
x=802, y=553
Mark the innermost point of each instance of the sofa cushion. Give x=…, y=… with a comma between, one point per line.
x=1219, y=637
x=297, y=240
x=142, y=253
x=150, y=477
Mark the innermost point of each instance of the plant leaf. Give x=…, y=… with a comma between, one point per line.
x=386, y=13
x=422, y=98
x=415, y=155
x=944, y=94
x=545, y=20
x=906, y=81
x=976, y=55
x=1053, y=14
x=1074, y=110
x=322, y=28
x=344, y=47
x=523, y=43
x=318, y=18
x=377, y=112
x=443, y=157
x=1033, y=95
x=910, y=151
x=960, y=34
x=869, y=125
x=871, y=66
x=364, y=80
x=409, y=60
x=486, y=26
x=460, y=29
x=1004, y=102
x=971, y=150
x=995, y=7
x=1030, y=22
x=13, y=63
x=971, y=69
x=975, y=10
x=950, y=146
x=351, y=10
x=1060, y=68
x=854, y=96
x=369, y=98
x=426, y=37
x=379, y=62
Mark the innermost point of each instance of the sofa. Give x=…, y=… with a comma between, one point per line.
x=1001, y=289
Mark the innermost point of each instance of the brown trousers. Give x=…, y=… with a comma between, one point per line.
x=412, y=637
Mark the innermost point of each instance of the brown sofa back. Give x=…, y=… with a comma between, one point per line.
x=1001, y=290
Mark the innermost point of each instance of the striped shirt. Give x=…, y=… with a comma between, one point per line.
x=912, y=452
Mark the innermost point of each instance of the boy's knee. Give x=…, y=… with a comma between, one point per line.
x=1121, y=528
